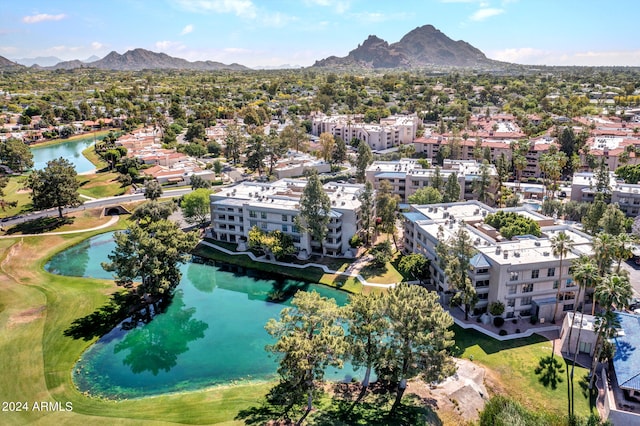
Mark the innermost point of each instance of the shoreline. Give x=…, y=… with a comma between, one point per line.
x=74, y=138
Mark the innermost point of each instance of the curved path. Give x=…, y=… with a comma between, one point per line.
x=325, y=268
x=112, y=221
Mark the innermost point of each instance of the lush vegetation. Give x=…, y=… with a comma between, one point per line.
x=511, y=224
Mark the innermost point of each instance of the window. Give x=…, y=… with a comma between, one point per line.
x=482, y=271
x=525, y=301
x=512, y=289
x=415, y=183
x=570, y=283
x=551, y=272
x=527, y=288
x=514, y=276
x=568, y=307
x=263, y=225
x=294, y=229
x=252, y=223
x=511, y=303
x=483, y=296
x=284, y=217
x=535, y=273
x=285, y=228
x=252, y=214
x=525, y=313
x=263, y=215
x=555, y=284
x=482, y=283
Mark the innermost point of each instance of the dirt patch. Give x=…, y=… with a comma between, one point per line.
x=27, y=316
x=23, y=191
x=463, y=395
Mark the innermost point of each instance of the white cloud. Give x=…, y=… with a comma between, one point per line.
x=187, y=29
x=375, y=17
x=338, y=6
x=241, y=8
x=482, y=14
x=7, y=50
x=165, y=45
x=41, y=17
x=97, y=45
x=531, y=56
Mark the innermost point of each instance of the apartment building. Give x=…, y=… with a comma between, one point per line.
x=390, y=132
x=626, y=195
x=523, y=273
x=406, y=175
x=274, y=206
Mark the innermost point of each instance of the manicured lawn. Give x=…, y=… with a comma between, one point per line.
x=14, y=191
x=100, y=185
x=91, y=155
x=513, y=363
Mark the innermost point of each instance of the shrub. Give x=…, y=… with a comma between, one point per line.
x=496, y=308
x=517, y=331
x=498, y=321
x=503, y=332
x=355, y=241
x=534, y=319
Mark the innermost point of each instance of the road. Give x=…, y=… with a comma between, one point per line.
x=91, y=204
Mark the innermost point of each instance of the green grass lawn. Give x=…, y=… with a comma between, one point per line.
x=100, y=185
x=14, y=191
x=513, y=363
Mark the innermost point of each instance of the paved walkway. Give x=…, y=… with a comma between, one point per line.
x=113, y=220
x=325, y=268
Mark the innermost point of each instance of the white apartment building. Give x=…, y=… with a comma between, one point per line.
x=522, y=273
x=391, y=131
x=274, y=206
x=406, y=175
x=626, y=195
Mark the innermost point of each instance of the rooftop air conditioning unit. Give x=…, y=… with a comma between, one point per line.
x=498, y=250
x=537, y=243
x=546, y=253
x=505, y=254
x=516, y=254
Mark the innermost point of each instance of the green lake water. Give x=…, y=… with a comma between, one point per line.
x=69, y=150
x=211, y=334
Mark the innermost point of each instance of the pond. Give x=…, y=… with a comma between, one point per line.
x=69, y=150
x=211, y=334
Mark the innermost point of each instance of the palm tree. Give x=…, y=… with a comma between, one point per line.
x=604, y=246
x=585, y=272
x=623, y=248
x=561, y=244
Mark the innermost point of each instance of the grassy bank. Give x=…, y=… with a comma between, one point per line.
x=84, y=136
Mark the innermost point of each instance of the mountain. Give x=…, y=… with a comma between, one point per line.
x=91, y=58
x=43, y=61
x=5, y=63
x=421, y=47
x=139, y=59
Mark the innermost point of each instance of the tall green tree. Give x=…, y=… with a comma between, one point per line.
x=419, y=336
x=16, y=155
x=234, y=142
x=363, y=160
x=55, y=186
x=415, y=266
x=561, y=245
x=482, y=185
x=198, y=182
x=437, y=181
x=451, y=189
x=309, y=339
x=613, y=221
x=367, y=211
x=196, y=207
x=146, y=260
x=152, y=211
x=275, y=148
x=256, y=154
x=295, y=136
x=327, y=144
x=386, y=208
x=195, y=131
x=366, y=337
x=339, y=154
x=551, y=165
x=152, y=190
x=315, y=207
x=425, y=195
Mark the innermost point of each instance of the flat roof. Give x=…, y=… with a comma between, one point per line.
x=626, y=360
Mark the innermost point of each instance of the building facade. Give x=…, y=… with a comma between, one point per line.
x=275, y=206
x=523, y=273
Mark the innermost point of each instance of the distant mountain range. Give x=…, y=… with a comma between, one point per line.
x=422, y=47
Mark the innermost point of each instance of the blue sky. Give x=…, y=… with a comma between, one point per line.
x=298, y=32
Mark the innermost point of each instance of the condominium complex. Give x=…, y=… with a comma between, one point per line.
x=626, y=195
x=406, y=176
x=275, y=206
x=390, y=132
x=523, y=273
